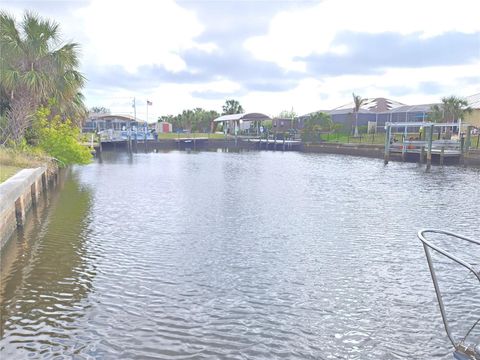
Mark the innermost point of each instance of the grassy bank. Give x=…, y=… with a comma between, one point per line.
x=7, y=171
x=379, y=139
x=362, y=139
x=12, y=161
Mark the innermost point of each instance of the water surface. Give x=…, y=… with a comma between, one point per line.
x=238, y=255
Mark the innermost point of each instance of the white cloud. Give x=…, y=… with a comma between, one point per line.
x=142, y=32
x=312, y=30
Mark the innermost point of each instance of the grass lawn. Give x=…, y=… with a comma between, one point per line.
x=12, y=161
x=377, y=139
x=7, y=171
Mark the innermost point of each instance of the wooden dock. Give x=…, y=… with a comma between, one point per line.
x=274, y=144
x=424, y=147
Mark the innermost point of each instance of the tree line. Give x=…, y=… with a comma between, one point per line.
x=201, y=120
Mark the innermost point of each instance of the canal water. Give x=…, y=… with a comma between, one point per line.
x=253, y=255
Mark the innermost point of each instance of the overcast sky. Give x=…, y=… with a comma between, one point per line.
x=269, y=55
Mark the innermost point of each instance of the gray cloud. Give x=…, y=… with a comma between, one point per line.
x=146, y=77
x=399, y=90
x=236, y=65
x=471, y=80
x=370, y=53
x=234, y=21
x=431, y=87
x=213, y=95
x=227, y=24
x=270, y=84
x=50, y=8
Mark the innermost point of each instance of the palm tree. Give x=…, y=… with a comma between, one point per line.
x=437, y=113
x=36, y=69
x=99, y=110
x=455, y=108
x=232, y=107
x=315, y=124
x=452, y=109
x=357, y=103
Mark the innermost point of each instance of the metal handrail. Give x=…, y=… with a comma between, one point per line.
x=427, y=245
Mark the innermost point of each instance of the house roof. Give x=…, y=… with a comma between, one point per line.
x=473, y=101
x=114, y=117
x=373, y=104
x=413, y=108
x=245, y=116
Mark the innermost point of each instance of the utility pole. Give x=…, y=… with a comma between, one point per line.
x=134, y=110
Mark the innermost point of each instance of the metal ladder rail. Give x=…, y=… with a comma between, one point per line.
x=427, y=245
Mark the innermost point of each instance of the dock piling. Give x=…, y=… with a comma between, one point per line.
x=34, y=192
x=20, y=211
x=387, y=144
x=429, y=149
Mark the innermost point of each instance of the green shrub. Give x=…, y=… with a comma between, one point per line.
x=59, y=139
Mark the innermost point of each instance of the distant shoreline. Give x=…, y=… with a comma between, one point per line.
x=352, y=149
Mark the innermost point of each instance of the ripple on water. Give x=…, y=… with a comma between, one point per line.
x=234, y=256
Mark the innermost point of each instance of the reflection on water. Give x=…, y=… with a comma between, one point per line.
x=45, y=276
x=247, y=255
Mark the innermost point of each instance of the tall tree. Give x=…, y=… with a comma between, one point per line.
x=287, y=114
x=437, y=113
x=36, y=69
x=203, y=119
x=450, y=110
x=455, y=108
x=99, y=110
x=232, y=107
x=357, y=103
x=196, y=120
x=315, y=124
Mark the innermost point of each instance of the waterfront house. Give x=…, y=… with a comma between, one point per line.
x=247, y=122
x=100, y=122
x=375, y=112
x=282, y=125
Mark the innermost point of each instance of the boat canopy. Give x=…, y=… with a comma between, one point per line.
x=244, y=117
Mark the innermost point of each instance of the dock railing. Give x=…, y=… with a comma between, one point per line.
x=462, y=349
x=110, y=135
x=415, y=146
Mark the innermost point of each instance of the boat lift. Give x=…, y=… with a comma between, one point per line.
x=463, y=350
x=425, y=145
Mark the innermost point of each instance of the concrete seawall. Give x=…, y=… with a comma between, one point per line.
x=473, y=158
x=470, y=159
x=17, y=195
x=365, y=150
